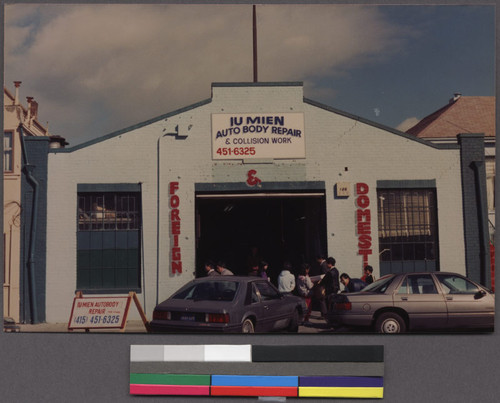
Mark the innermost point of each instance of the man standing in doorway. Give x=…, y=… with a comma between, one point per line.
x=223, y=270
x=331, y=284
x=323, y=267
x=209, y=269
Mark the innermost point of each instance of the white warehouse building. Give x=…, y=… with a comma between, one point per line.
x=257, y=164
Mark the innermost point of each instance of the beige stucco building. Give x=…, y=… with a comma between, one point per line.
x=18, y=120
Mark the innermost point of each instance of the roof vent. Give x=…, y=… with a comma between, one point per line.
x=456, y=95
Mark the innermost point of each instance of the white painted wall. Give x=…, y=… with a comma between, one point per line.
x=333, y=142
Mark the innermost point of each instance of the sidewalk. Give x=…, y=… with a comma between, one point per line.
x=315, y=325
x=133, y=326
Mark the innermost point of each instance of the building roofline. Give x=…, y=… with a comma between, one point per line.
x=256, y=84
x=260, y=84
x=380, y=126
x=9, y=94
x=427, y=121
x=130, y=128
x=35, y=121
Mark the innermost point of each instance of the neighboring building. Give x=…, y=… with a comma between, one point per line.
x=22, y=133
x=466, y=114
x=255, y=165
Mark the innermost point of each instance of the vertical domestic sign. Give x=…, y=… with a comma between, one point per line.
x=254, y=136
x=363, y=218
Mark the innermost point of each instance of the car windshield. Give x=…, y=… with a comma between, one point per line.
x=209, y=291
x=380, y=286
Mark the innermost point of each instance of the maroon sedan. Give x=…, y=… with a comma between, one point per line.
x=228, y=304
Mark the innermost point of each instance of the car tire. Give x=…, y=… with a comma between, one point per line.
x=293, y=327
x=247, y=326
x=390, y=322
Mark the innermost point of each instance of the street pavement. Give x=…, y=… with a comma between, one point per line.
x=316, y=324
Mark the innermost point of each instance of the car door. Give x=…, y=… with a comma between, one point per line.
x=468, y=305
x=275, y=313
x=419, y=297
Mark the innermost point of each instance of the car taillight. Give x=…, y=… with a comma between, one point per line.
x=342, y=306
x=217, y=318
x=162, y=315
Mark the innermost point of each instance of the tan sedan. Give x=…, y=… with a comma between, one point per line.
x=397, y=303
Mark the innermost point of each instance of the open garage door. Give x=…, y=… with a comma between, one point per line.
x=283, y=226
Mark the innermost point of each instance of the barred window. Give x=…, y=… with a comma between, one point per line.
x=108, y=211
x=407, y=227
x=109, y=242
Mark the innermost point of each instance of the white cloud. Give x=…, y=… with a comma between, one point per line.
x=134, y=62
x=407, y=123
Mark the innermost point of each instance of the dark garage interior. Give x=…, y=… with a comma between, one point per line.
x=283, y=227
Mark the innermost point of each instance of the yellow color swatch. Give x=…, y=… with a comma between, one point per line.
x=341, y=392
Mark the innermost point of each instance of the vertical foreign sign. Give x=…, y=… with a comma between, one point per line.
x=363, y=218
x=175, y=228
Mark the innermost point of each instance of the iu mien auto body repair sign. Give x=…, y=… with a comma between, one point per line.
x=99, y=312
x=252, y=136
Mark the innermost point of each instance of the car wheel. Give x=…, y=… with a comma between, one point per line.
x=247, y=326
x=294, y=322
x=390, y=322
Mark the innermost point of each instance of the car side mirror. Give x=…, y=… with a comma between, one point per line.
x=480, y=294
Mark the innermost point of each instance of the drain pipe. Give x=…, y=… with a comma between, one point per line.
x=158, y=217
x=477, y=166
x=142, y=252
x=28, y=170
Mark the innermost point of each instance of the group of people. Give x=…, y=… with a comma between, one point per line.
x=220, y=269
x=322, y=288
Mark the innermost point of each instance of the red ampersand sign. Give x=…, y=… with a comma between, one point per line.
x=252, y=179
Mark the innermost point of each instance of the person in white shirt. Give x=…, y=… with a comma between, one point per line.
x=286, y=280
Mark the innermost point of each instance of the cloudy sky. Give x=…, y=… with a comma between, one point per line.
x=96, y=69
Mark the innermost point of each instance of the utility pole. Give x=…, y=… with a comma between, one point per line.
x=254, y=45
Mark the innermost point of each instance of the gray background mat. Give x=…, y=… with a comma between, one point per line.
x=95, y=367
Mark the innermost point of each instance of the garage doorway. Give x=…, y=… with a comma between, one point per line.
x=283, y=226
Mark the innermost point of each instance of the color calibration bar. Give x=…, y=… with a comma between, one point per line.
x=252, y=370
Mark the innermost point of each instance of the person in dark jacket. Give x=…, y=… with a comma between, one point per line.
x=351, y=284
x=322, y=264
x=331, y=284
